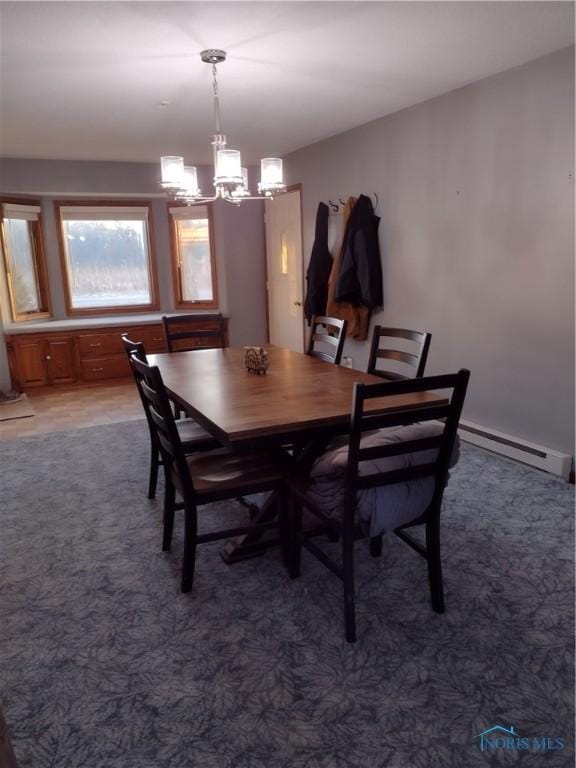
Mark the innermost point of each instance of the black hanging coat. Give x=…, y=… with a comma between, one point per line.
x=319, y=268
x=360, y=276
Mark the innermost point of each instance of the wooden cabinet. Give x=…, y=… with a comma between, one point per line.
x=37, y=360
x=85, y=355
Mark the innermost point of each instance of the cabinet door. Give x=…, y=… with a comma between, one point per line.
x=60, y=360
x=30, y=363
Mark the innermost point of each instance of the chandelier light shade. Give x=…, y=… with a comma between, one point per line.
x=191, y=179
x=172, y=168
x=270, y=174
x=228, y=167
x=230, y=178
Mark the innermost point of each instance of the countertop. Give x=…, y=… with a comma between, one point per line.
x=79, y=323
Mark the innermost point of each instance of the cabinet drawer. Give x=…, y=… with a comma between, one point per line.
x=151, y=336
x=105, y=368
x=99, y=344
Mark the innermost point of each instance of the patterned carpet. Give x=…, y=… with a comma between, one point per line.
x=104, y=663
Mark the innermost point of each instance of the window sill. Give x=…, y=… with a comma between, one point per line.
x=79, y=323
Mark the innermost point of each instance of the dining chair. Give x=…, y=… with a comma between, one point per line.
x=327, y=337
x=193, y=437
x=183, y=329
x=391, y=479
x=207, y=477
x=413, y=360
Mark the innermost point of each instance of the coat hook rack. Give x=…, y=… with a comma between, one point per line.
x=337, y=206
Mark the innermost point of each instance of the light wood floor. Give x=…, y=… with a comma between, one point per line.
x=61, y=409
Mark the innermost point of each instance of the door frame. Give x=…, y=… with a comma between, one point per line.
x=290, y=188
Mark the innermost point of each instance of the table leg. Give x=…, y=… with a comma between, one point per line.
x=250, y=544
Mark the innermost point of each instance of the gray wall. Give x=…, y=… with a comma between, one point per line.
x=5, y=382
x=239, y=234
x=476, y=200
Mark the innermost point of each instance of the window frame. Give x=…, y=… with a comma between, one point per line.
x=119, y=309
x=39, y=259
x=175, y=262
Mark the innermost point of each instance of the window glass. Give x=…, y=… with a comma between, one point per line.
x=195, y=259
x=107, y=261
x=24, y=267
x=21, y=266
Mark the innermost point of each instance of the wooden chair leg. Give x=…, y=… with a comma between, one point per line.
x=435, y=566
x=284, y=525
x=376, y=545
x=295, y=529
x=348, y=580
x=190, y=542
x=154, y=464
x=169, y=503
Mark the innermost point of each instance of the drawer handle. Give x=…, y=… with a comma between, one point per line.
x=156, y=338
x=98, y=344
x=96, y=370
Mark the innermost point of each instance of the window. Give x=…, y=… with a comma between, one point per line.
x=106, y=258
x=193, y=262
x=24, y=262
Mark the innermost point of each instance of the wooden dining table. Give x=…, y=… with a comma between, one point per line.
x=300, y=399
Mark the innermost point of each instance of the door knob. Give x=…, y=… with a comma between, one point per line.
x=297, y=303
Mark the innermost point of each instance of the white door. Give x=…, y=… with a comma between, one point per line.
x=284, y=260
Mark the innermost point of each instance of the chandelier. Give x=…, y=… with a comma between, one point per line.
x=230, y=178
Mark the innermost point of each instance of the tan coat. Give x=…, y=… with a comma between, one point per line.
x=358, y=318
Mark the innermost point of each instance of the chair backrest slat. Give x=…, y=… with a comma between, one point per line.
x=415, y=360
x=326, y=338
x=398, y=449
x=330, y=331
x=404, y=475
x=174, y=335
x=397, y=354
x=409, y=386
x=403, y=333
x=403, y=416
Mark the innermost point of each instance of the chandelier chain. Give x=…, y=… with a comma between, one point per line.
x=216, y=98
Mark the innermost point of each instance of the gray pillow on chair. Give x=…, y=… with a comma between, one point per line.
x=383, y=509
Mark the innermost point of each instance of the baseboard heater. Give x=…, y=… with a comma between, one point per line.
x=536, y=455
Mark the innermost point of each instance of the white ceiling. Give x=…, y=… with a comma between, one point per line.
x=83, y=80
